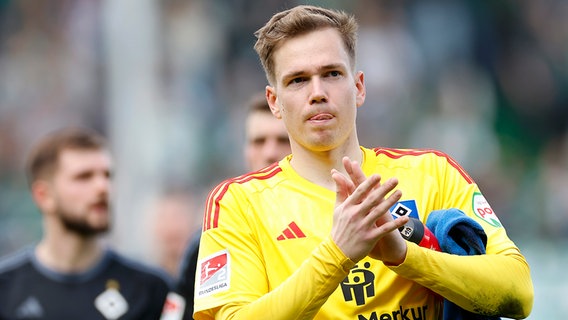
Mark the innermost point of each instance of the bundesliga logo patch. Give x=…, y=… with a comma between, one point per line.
x=213, y=274
x=174, y=307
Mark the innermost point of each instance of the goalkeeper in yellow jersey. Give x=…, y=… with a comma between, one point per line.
x=315, y=236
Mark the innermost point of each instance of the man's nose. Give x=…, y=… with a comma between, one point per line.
x=103, y=183
x=318, y=93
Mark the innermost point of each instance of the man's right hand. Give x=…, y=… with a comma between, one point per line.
x=362, y=224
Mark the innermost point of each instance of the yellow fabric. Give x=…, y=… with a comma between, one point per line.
x=282, y=264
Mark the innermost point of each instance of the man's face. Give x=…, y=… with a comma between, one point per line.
x=79, y=191
x=266, y=140
x=316, y=92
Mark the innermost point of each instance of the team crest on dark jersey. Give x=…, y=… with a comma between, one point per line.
x=111, y=304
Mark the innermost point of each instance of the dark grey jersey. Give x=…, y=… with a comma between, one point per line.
x=116, y=288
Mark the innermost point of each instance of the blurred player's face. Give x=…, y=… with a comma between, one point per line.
x=316, y=92
x=80, y=191
x=172, y=226
x=267, y=140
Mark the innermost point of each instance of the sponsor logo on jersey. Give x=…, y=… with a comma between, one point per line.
x=291, y=232
x=111, y=304
x=412, y=313
x=483, y=210
x=30, y=309
x=404, y=208
x=213, y=274
x=359, y=284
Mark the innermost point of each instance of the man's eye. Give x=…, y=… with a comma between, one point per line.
x=85, y=175
x=283, y=140
x=259, y=141
x=296, y=80
x=334, y=73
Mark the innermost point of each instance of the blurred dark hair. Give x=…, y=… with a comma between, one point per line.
x=42, y=160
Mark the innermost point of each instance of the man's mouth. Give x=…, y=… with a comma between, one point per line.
x=101, y=206
x=321, y=117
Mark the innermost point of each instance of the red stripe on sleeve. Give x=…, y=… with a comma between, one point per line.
x=211, y=219
x=398, y=153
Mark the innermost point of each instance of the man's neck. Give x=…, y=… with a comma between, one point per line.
x=69, y=253
x=316, y=166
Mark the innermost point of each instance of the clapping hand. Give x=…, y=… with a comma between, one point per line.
x=362, y=224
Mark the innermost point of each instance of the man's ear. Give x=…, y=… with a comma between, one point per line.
x=360, y=87
x=272, y=100
x=41, y=194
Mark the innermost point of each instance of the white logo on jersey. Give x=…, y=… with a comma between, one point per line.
x=29, y=309
x=213, y=274
x=482, y=209
x=111, y=304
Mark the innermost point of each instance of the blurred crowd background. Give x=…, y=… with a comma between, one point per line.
x=166, y=81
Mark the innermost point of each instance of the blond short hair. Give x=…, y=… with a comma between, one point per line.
x=300, y=20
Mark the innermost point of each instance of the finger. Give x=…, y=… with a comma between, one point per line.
x=347, y=164
x=343, y=186
x=377, y=195
x=380, y=213
x=390, y=226
x=354, y=170
x=362, y=192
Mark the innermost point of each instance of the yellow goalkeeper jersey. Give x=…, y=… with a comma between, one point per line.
x=266, y=250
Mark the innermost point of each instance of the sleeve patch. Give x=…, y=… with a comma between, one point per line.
x=213, y=274
x=483, y=210
x=174, y=307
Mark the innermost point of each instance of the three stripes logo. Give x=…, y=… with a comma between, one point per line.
x=291, y=232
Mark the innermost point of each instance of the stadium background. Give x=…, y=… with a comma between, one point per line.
x=166, y=80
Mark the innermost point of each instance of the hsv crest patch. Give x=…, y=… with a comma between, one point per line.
x=213, y=274
x=482, y=209
x=404, y=208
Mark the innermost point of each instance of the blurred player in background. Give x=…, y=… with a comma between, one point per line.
x=266, y=142
x=70, y=273
x=266, y=136
x=313, y=236
x=173, y=219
